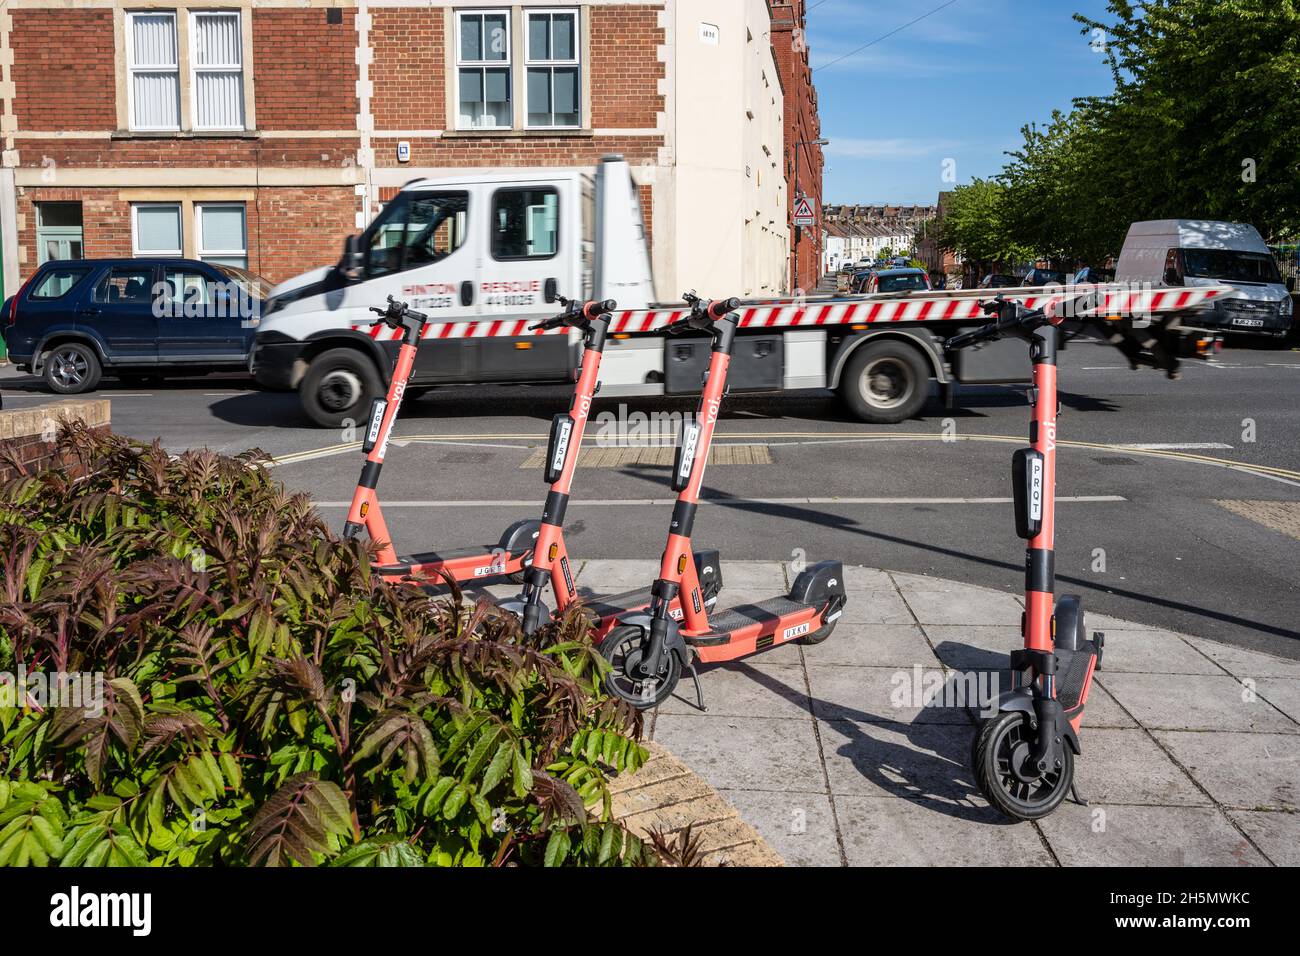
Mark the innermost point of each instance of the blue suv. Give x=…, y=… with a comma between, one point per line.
x=76, y=319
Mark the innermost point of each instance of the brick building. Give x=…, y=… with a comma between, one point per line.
x=803, y=155
x=262, y=132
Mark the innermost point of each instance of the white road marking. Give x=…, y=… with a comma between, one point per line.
x=1176, y=446
x=51, y=397
x=633, y=502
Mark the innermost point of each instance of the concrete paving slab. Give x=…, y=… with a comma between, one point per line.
x=1145, y=651
x=753, y=687
x=1243, y=663
x=1127, y=766
x=974, y=647
x=1194, y=702
x=1146, y=836
x=962, y=606
x=875, y=607
x=873, y=645
x=1249, y=771
x=612, y=576
x=766, y=576
x=1103, y=711
x=918, y=761
x=799, y=826
x=1276, y=834
x=888, y=694
x=899, y=832
x=858, y=578
x=745, y=753
x=1283, y=693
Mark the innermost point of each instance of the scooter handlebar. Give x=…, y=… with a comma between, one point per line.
x=396, y=311
x=575, y=312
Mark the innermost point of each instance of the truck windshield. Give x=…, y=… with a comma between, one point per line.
x=905, y=283
x=1230, y=265
x=416, y=228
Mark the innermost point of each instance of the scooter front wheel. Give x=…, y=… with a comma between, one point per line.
x=622, y=648
x=1001, y=757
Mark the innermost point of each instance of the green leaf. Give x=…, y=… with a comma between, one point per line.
x=557, y=848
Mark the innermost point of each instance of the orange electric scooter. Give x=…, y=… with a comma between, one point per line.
x=508, y=557
x=550, y=561
x=1023, y=756
x=648, y=650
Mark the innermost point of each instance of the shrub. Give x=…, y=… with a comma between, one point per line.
x=266, y=699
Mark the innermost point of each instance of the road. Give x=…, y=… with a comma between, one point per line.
x=1181, y=500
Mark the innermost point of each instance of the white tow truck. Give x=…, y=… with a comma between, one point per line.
x=485, y=255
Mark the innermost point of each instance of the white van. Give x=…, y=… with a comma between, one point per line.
x=1198, y=252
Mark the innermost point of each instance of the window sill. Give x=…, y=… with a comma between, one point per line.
x=186, y=134
x=518, y=133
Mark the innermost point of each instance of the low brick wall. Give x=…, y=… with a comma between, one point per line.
x=27, y=434
x=666, y=795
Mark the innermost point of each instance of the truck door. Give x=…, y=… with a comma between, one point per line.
x=420, y=250
x=530, y=242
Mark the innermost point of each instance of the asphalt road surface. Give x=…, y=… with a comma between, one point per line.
x=1181, y=500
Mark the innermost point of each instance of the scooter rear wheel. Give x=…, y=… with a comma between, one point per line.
x=819, y=635
x=622, y=648
x=1001, y=750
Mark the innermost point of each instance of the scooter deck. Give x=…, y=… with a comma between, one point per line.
x=605, y=606
x=746, y=628
x=463, y=564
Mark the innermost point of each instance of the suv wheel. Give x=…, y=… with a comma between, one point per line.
x=339, y=385
x=71, y=368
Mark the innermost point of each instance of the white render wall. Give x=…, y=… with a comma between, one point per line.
x=720, y=221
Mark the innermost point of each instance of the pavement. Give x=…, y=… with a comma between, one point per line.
x=1191, y=747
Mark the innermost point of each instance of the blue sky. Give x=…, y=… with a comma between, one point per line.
x=956, y=86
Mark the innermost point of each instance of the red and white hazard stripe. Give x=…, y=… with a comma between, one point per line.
x=838, y=312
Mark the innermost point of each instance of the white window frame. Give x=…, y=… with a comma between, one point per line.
x=132, y=69
x=507, y=64
x=576, y=61
x=195, y=69
x=135, y=230
x=200, y=251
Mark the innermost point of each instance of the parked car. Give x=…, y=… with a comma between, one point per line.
x=1038, y=277
x=1089, y=275
x=998, y=280
x=76, y=319
x=894, y=280
x=1196, y=252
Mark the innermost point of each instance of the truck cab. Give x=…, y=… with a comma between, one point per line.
x=491, y=248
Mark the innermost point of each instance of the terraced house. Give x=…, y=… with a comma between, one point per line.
x=262, y=132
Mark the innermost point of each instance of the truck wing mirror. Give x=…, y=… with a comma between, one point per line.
x=1172, y=278
x=353, y=261
x=550, y=290
x=1290, y=283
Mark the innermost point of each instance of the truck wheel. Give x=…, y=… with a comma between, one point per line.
x=71, y=368
x=339, y=385
x=885, y=382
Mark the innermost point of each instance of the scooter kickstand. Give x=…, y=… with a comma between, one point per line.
x=1074, y=793
x=699, y=691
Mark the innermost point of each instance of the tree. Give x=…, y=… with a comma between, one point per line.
x=1202, y=119
x=975, y=224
